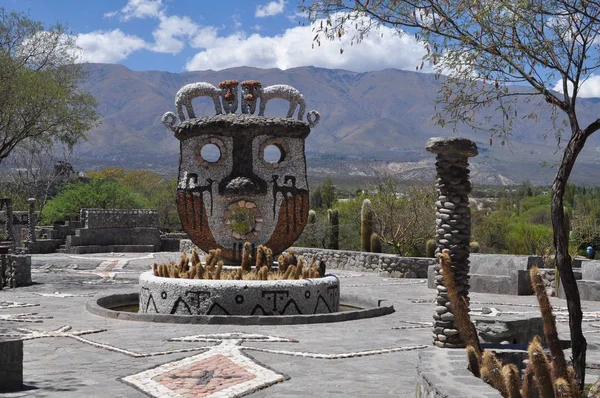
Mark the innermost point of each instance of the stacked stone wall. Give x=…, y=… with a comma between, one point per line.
x=118, y=218
x=391, y=264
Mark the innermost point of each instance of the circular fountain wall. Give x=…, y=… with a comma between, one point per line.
x=238, y=297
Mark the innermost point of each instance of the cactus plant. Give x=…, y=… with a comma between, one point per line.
x=491, y=372
x=528, y=389
x=562, y=388
x=474, y=361
x=246, y=256
x=430, y=247
x=460, y=307
x=375, y=243
x=559, y=364
x=366, y=226
x=512, y=382
x=541, y=368
x=474, y=246
x=334, y=229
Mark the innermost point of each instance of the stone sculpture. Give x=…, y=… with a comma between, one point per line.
x=187, y=93
x=236, y=194
x=288, y=93
x=250, y=92
x=229, y=95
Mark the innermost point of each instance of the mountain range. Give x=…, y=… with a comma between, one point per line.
x=372, y=124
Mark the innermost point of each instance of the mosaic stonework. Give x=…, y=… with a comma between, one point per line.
x=229, y=297
x=222, y=371
x=241, y=177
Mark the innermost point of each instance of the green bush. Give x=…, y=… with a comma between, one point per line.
x=97, y=193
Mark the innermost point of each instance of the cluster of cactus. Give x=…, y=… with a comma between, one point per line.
x=290, y=266
x=369, y=240
x=543, y=377
x=192, y=268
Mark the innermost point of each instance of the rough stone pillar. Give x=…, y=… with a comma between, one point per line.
x=7, y=204
x=31, y=237
x=453, y=227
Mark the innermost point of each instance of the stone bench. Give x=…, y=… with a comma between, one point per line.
x=497, y=273
x=443, y=373
x=11, y=365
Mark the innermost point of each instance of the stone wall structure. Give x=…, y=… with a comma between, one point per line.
x=388, y=264
x=453, y=227
x=115, y=230
x=119, y=218
x=15, y=270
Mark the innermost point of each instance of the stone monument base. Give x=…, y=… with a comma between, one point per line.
x=238, y=297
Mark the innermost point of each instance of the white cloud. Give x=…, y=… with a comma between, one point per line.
x=172, y=32
x=270, y=9
x=380, y=50
x=142, y=9
x=589, y=88
x=108, y=47
x=139, y=9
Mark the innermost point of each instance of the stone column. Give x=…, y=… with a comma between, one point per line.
x=7, y=203
x=31, y=237
x=453, y=228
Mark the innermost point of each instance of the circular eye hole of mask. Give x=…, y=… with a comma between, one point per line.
x=273, y=154
x=210, y=153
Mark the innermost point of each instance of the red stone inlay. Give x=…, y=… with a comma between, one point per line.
x=205, y=377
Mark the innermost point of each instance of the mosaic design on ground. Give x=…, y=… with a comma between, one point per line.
x=222, y=371
x=4, y=305
x=108, y=269
x=413, y=325
x=63, y=295
x=63, y=331
x=29, y=317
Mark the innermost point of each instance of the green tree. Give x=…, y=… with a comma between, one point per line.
x=494, y=52
x=40, y=85
x=404, y=220
x=98, y=193
x=157, y=190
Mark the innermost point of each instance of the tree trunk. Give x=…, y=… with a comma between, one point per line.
x=563, y=259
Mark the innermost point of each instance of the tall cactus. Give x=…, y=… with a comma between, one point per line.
x=460, y=307
x=334, y=229
x=541, y=368
x=559, y=364
x=366, y=226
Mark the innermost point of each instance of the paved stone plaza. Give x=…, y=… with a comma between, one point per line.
x=69, y=352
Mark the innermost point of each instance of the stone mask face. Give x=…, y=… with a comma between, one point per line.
x=242, y=178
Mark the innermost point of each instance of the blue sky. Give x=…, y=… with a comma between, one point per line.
x=186, y=35
x=181, y=35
